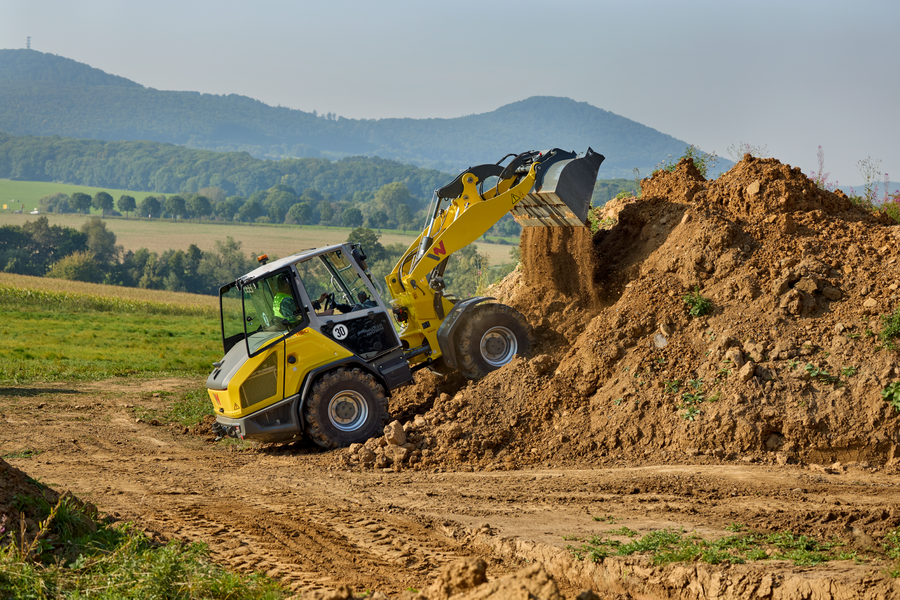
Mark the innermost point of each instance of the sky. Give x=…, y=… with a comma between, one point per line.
x=787, y=75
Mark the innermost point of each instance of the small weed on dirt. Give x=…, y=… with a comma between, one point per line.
x=891, y=395
x=607, y=519
x=891, y=545
x=890, y=333
x=697, y=304
x=691, y=399
x=187, y=409
x=702, y=161
x=820, y=374
x=672, y=387
x=24, y=453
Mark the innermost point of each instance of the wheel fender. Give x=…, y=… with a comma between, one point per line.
x=313, y=375
x=449, y=326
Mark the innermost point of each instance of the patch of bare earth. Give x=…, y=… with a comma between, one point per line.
x=470, y=492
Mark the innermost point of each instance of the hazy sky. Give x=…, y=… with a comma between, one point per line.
x=791, y=75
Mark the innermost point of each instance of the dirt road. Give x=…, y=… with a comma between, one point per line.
x=292, y=512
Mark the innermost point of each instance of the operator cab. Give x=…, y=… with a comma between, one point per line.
x=342, y=300
x=329, y=289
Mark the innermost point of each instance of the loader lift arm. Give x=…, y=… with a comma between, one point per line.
x=549, y=188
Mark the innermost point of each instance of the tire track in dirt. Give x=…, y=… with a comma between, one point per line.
x=305, y=544
x=291, y=513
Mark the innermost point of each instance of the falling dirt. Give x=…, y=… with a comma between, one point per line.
x=766, y=412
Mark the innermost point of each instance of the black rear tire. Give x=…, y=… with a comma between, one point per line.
x=346, y=406
x=490, y=337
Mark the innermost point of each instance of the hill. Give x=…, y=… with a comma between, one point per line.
x=44, y=94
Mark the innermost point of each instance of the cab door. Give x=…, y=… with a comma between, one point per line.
x=273, y=313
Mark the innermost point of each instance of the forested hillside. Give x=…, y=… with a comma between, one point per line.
x=43, y=94
x=170, y=168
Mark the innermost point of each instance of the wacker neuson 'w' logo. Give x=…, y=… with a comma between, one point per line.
x=438, y=249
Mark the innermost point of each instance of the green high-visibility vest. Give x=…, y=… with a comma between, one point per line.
x=283, y=306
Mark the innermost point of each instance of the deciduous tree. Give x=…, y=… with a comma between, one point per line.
x=174, y=206
x=126, y=204
x=101, y=242
x=81, y=202
x=149, y=206
x=352, y=217
x=326, y=212
x=103, y=202
x=369, y=241
x=199, y=206
x=300, y=213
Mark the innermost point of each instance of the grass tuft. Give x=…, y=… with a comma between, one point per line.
x=669, y=546
x=890, y=333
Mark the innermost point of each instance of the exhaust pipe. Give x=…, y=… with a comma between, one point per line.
x=561, y=196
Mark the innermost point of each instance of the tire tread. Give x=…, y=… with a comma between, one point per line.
x=483, y=317
x=318, y=431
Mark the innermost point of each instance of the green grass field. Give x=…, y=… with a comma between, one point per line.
x=70, y=336
x=16, y=193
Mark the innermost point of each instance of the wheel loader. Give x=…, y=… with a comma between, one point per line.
x=311, y=344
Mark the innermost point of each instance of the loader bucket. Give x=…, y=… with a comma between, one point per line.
x=562, y=193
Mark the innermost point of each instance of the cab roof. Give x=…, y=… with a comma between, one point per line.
x=269, y=268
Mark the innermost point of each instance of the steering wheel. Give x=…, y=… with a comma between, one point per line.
x=329, y=302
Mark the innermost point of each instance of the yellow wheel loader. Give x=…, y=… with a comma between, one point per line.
x=309, y=343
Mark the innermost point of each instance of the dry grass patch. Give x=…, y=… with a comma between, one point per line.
x=46, y=284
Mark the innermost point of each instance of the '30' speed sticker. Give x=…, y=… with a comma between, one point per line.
x=340, y=332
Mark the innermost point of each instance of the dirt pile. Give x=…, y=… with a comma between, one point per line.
x=23, y=497
x=785, y=368
x=467, y=579
x=16, y=489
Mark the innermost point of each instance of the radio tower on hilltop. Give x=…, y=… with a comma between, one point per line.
x=28, y=43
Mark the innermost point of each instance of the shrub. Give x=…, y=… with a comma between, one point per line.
x=78, y=266
x=820, y=178
x=702, y=161
x=737, y=151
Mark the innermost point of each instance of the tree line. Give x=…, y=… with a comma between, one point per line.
x=91, y=254
x=166, y=168
x=390, y=207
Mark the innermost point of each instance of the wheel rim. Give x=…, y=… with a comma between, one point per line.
x=347, y=410
x=498, y=346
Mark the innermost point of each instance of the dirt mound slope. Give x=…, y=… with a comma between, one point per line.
x=786, y=367
x=22, y=497
x=15, y=487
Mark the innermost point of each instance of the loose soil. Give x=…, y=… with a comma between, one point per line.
x=777, y=422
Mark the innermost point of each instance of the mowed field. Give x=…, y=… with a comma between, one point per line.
x=16, y=193
x=159, y=235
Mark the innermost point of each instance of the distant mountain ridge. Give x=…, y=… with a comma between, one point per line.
x=44, y=94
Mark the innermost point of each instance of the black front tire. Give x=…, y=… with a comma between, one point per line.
x=490, y=337
x=346, y=406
